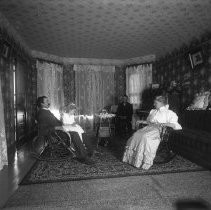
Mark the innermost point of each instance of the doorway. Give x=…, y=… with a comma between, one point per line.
x=19, y=75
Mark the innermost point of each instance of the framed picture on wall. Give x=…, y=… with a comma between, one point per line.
x=196, y=58
x=5, y=49
x=155, y=86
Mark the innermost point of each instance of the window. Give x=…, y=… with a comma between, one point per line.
x=134, y=89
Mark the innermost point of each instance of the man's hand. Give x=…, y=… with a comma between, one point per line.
x=59, y=128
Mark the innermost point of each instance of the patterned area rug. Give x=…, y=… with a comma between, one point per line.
x=107, y=165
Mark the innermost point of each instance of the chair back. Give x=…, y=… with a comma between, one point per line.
x=114, y=108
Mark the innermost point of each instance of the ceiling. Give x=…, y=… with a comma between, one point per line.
x=107, y=29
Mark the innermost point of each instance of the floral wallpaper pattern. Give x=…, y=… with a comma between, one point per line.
x=31, y=95
x=177, y=67
x=17, y=54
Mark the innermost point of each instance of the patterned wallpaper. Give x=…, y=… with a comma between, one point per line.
x=176, y=66
x=17, y=53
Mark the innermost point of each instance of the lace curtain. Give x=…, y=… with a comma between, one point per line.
x=50, y=84
x=3, y=142
x=138, y=78
x=94, y=90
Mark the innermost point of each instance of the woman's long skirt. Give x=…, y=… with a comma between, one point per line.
x=142, y=146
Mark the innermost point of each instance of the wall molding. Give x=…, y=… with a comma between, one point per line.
x=4, y=24
x=92, y=61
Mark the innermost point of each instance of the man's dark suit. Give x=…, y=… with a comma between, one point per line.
x=47, y=122
x=124, y=110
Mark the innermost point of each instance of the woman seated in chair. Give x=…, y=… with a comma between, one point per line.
x=142, y=146
x=68, y=119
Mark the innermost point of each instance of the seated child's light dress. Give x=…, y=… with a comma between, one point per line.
x=69, y=124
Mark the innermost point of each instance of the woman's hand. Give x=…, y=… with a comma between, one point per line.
x=168, y=125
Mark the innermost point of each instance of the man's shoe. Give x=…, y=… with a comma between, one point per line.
x=87, y=161
x=90, y=154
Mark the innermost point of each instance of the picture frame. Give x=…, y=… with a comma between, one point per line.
x=196, y=58
x=5, y=49
x=155, y=86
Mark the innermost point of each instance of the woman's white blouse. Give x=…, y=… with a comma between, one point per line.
x=164, y=115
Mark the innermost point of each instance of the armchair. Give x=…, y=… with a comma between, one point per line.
x=164, y=152
x=53, y=146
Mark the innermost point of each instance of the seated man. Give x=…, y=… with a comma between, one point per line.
x=48, y=122
x=124, y=116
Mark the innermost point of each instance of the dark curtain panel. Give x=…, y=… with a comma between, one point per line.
x=120, y=82
x=69, y=84
x=31, y=95
x=6, y=72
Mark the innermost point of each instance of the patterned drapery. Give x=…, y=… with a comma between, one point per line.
x=31, y=96
x=3, y=142
x=69, y=84
x=94, y=90
x=138, y=78
x=8, y=98
x=50, y=84
x=120, y=82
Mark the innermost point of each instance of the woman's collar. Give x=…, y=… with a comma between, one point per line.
x=164, y=107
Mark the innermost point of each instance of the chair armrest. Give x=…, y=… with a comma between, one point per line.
x=61, y=129
x=165, y=131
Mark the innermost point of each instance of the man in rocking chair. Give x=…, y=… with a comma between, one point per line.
x=48, y=122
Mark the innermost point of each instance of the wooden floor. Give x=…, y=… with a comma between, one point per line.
x=19, y=164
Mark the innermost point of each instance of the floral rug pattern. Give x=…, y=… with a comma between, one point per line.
x=107, y=164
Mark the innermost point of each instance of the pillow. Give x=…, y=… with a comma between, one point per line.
x=200, y=101
x=206, y=100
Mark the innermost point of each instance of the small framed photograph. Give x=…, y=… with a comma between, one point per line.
x=155, y=86
x=196, y=58
x=5, y=50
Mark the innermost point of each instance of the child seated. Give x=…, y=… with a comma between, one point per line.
x=68, y=119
